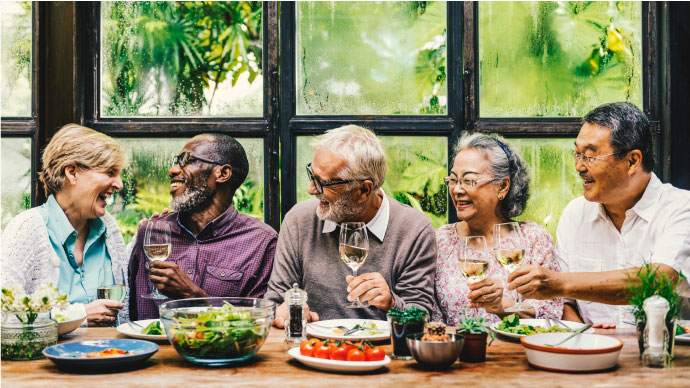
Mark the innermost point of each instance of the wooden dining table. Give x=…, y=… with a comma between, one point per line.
x=506, y=367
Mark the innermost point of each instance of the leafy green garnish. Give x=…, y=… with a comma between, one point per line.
x=153, y=328
x=411, y=315
x=648, y=282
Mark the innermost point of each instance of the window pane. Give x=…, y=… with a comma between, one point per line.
x=147, y=185
x=16, y=59
x=371, y=58
x=554, y=180
x=416, y=167
x=16, y=177
x=558, y=59
x=181, y=58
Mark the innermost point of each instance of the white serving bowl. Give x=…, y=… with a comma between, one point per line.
x=75, y=316
x=583, y=353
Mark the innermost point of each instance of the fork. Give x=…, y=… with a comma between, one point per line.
x=343, y=328
x=132, y=323
x=579, y=331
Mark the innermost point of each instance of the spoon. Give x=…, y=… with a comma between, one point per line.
x=579, y=331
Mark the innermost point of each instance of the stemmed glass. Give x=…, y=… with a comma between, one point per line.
x=157, y=247
x=354, y=249
x=474, y=261
x=509, y=249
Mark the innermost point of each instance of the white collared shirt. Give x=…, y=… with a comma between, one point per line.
x=656, y=229
x=377, y=226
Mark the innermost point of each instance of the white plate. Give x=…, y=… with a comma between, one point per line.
x=683, y=338
x=314, y=330
x=538, y=322
x=338, y=366
x=132, y=331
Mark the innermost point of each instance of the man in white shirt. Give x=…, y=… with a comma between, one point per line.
x=627, y=217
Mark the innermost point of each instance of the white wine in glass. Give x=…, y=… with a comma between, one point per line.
x=509, y=249
x=114, y=292
x=157, y=247
x=354, y=249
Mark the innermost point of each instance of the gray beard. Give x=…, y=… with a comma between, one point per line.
x=339, y=211
x=192, y=199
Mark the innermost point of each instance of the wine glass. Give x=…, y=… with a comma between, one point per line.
x=474, y=261
x=509, y=249
x=157, y=247
x=354, y=248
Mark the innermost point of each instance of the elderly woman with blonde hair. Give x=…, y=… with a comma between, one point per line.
x=71, y=241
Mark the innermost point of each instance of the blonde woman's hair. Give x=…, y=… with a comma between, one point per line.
x=361, y=149
x=81, y=146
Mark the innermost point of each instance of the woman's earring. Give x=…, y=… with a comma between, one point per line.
x=500, y=198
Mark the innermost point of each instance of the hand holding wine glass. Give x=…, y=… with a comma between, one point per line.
x=509, y=249
x=157, y=247
x=354, y=249
x=474, y=260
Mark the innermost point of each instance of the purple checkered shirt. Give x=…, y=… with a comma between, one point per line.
x=231, y=256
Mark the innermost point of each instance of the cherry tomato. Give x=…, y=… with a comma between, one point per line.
x=350, y=345
x=322, y=351
x=375, y=354
x=307, y=347
x=356, y=355
x=340, y=353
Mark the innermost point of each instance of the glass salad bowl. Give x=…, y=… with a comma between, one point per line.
x=217, y=331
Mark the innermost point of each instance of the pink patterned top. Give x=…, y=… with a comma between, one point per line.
x=451, y=285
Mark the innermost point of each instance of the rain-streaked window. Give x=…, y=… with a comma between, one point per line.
x=416, y=167
x=380, y=58
x=16, y=176
x=147, y=184
x=558, y=59
x=177, y=58
x=553, y=179
x=15, y=65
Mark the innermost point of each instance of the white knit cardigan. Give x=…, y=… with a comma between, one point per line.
x=28, y=258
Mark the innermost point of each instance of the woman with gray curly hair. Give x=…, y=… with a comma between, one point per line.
x=71, y=241
x=488, y=185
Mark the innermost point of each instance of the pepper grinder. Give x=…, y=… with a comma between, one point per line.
x=655, y=333
x=295, y=326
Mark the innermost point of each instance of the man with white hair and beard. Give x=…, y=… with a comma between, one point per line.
x=216, y=251
x=346, y=176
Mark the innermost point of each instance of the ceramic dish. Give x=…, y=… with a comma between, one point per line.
x=537, y=322
x=683, y=338
x=325, y=329
x=74, y=315
x=70, y=355
x=132, y=331
x=583, y=353
x=338, y=366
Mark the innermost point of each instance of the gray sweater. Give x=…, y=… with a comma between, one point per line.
x=406, y=258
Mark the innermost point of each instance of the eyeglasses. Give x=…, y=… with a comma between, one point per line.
x=186, y=157
x=465, y=183
x=590, y=159
x=320, y=185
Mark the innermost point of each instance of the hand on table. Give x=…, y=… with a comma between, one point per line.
x=170, y=280
x=535, y=282
x=487, y=294
x=102, y=312
x=370, y=287
x=282, y=315
x=604, y=325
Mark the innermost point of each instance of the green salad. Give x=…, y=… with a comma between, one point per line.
x=218, y=333
x=153, y=328
x=60, y=318
x=511, y=324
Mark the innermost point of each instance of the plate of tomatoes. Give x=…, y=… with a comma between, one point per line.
x=340, y=356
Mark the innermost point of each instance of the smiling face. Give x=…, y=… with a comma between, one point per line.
x=476, y=203
x=191, y=187
x=603, y=179
x=93, y=189
x=336, y=203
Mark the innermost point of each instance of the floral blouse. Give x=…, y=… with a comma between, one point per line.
x=451, y=285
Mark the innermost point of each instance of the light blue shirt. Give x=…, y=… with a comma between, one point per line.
x=79, y=283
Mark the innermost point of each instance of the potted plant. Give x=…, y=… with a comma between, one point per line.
x=26, y=327
x=651, y=282
x=475, y=332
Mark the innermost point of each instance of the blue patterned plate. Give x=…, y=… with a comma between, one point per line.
x=72, y=354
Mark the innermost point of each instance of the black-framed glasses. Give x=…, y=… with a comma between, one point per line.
x=320, y=185
x=186, y=157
